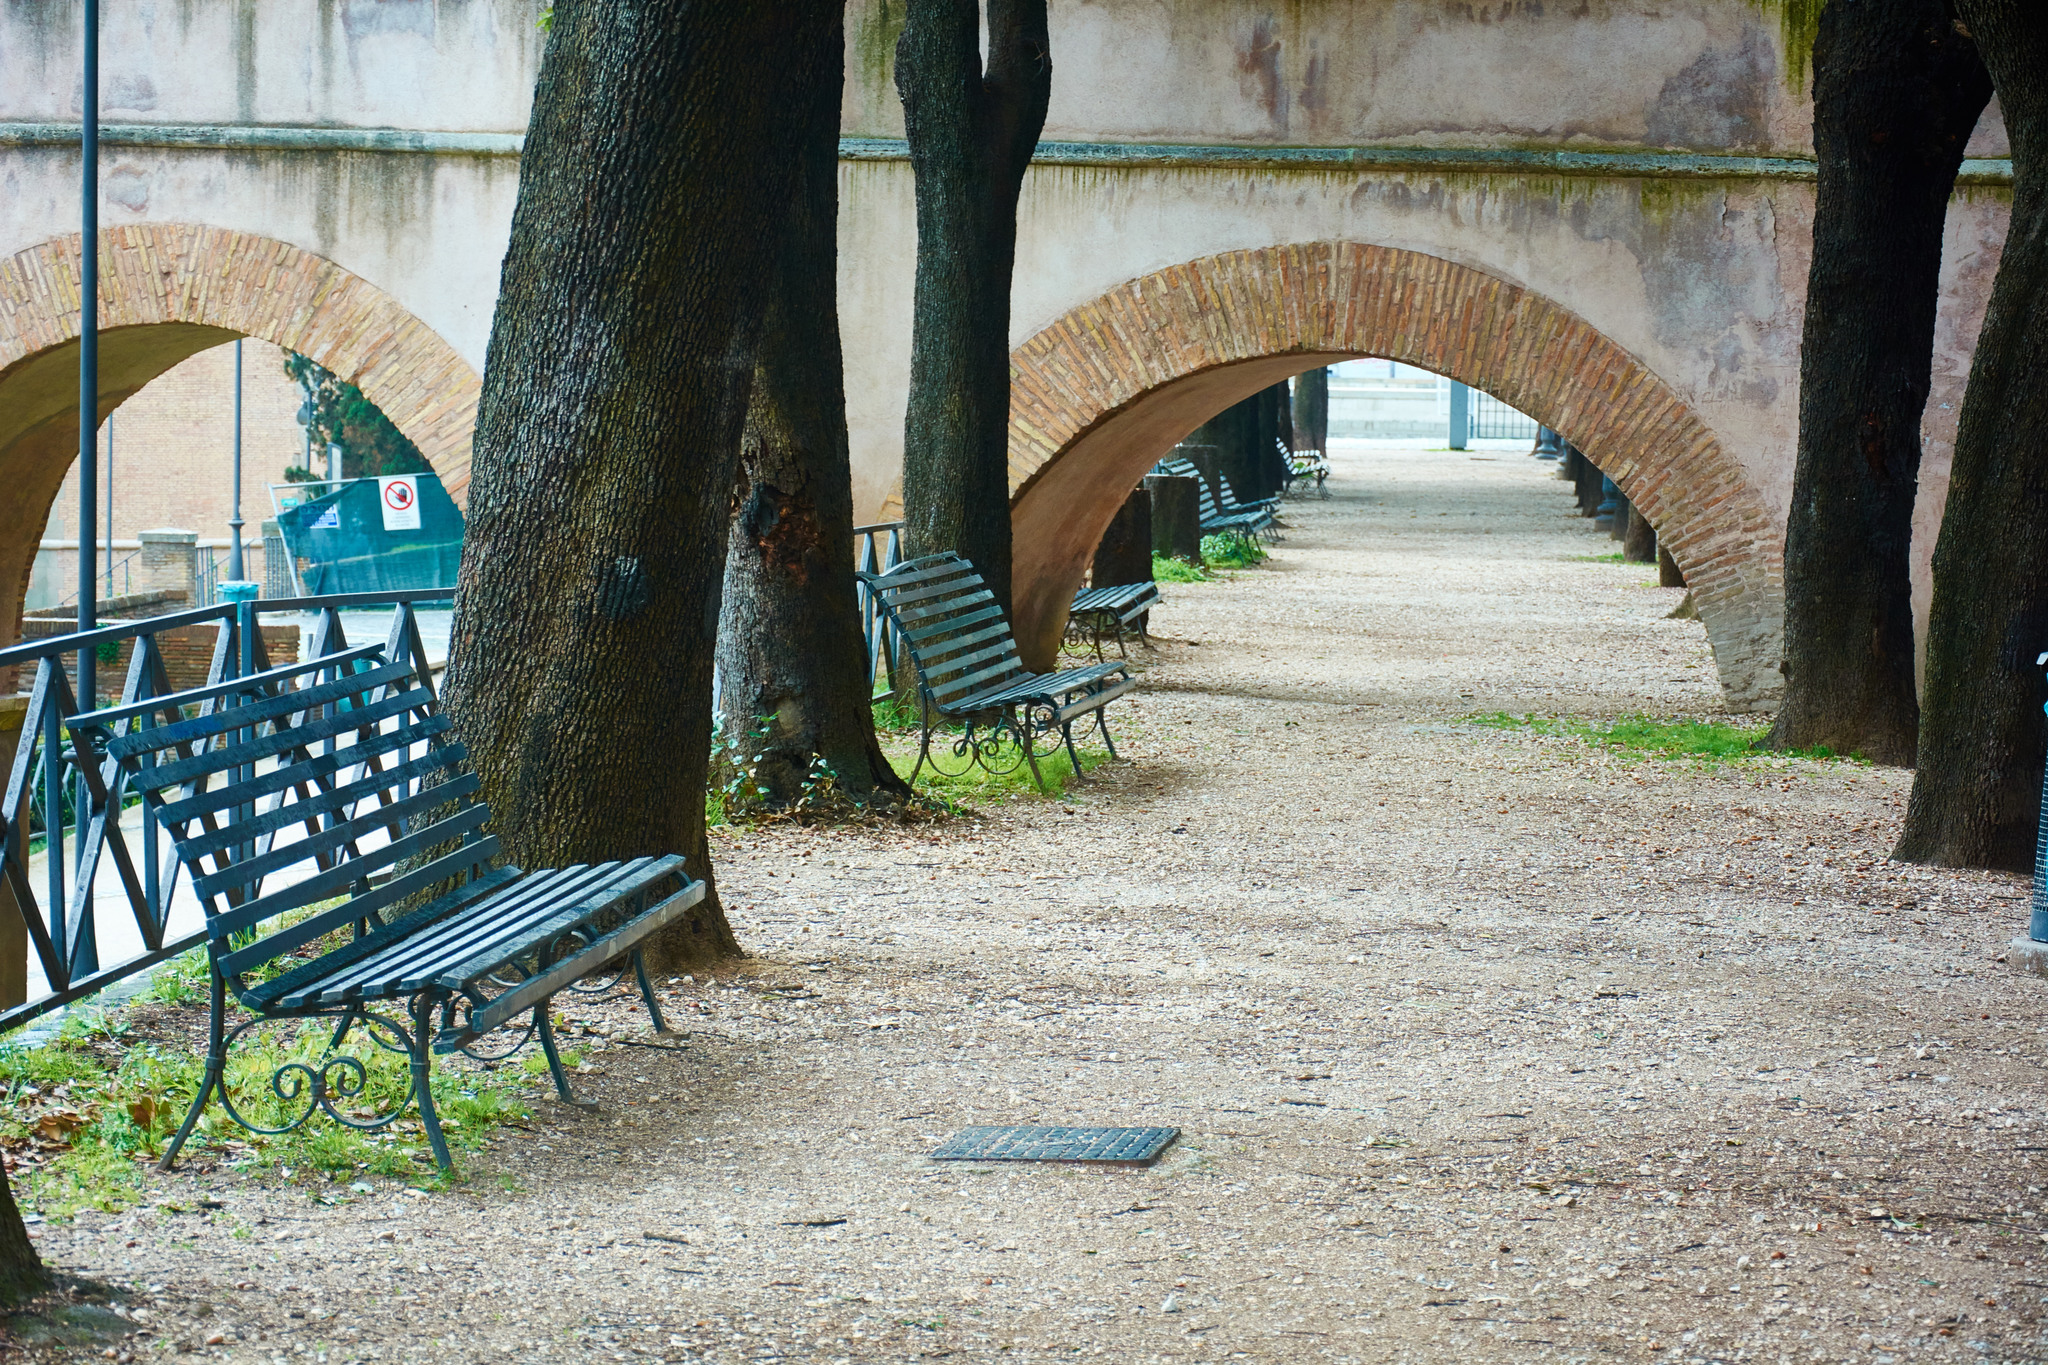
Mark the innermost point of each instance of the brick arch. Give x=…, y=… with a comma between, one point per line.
x=1102, y=392
x=168, y=291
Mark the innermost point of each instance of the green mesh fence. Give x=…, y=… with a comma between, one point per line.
x=341, y=539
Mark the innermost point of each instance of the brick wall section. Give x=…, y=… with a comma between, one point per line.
x=1106, y=356
x=184, y=272
x=174, y=451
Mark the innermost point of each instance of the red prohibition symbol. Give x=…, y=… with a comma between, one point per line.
x=398, y=496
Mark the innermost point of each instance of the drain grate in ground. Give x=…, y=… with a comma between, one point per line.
x=1033, y=1143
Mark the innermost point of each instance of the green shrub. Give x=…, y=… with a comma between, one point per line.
x=1232, y=550
x=1169, y=569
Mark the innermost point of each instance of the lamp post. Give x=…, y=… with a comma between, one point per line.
x=89, y=351
x=235, y=517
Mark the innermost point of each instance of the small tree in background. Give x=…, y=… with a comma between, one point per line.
x=337, y=413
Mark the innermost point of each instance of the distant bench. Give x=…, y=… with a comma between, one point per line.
x=1112, y=610
x=1221, y=512
x=969, y=673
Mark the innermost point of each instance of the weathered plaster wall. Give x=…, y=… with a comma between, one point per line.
x=1700, y=280
x=450, y=65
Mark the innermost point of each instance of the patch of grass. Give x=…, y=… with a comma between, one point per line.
x=1615, y=558
x=1648, y=737
x=1169, y=569
x=1232, y=550
x=80, y=1124
x=1012, y=781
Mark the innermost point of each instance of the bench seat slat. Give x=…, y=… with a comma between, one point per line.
x=286, y=991
x=607, y=949
x=1049, y=685
x=622, y=880
x=460, y=949
x=463, y=860
x=531, y=897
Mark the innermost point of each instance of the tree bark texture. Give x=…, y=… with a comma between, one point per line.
x=792, y=662
x=971, y=133
x=1589, y=486
x=1176, y=516
x=1233, y=434
x=1639, y=546
x=1277, y=437
x=1669, y=575
x=1896, y=92
x=22, y=1273
x=1312, y=410
x=655, y=179
x=1124, y=554
x=1977, y=790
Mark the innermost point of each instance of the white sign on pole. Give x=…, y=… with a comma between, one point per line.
x=400, y=496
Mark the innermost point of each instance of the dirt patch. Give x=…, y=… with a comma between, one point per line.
x=1484, y=1045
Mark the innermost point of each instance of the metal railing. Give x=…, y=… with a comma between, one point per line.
x=1492, y=420
x=878, y=549
x=121, y=572
x=74, y=808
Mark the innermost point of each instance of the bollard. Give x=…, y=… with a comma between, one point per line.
x=1548, y=445
x=1609, y=504
x=1176, y=516
x=2031, y=953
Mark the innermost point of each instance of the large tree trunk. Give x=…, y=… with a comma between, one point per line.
x=655, y=180
x=792, y=664
x=1896, y=91
x=1312, y=409
x=22, y=1273
x=1978, y=788
x=971, y=136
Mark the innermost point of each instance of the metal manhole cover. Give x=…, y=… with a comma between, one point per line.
x=1032, y=1143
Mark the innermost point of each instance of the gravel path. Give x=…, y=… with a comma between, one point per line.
x=1484, y=1045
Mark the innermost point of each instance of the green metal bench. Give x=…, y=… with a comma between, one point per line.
x=1220, y=512
x=1111, y=611
x=327, y=799
x=969, y=674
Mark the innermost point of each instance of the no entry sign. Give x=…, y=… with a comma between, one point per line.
x=399, y=495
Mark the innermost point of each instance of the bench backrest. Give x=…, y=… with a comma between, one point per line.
x=952, y=625
x=333, y=777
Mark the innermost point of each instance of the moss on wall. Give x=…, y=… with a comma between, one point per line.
x=1798, y=21
x=872, y=36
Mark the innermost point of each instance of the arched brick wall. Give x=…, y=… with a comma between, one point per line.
x=1100, y=394
x=168, y=291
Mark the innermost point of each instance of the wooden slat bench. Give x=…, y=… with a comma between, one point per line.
x=968, y=671
x=1111, y=610
x=327, y=798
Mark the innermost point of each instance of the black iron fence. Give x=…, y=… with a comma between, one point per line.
x=1493, y=420
x=63, y=808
